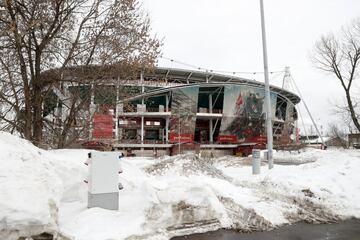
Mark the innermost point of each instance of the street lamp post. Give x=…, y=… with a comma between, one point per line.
x=269, y=132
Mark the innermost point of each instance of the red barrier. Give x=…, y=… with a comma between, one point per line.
x=227, y=139
x=175, y=138
x=257, y=139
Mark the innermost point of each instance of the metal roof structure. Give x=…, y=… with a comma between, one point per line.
x=185, y=77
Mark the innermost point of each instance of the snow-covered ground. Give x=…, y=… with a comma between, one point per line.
x=43, y=191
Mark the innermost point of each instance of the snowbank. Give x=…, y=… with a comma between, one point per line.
x=32, y=183
x=43, y=191
x=181, y=195
x=297, y=157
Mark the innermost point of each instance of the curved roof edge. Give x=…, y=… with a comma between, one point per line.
x=184, y=76
x=161, y=91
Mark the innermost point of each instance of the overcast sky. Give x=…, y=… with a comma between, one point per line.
x=226, y=35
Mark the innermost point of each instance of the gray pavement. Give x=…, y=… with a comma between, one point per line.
x=347, y=230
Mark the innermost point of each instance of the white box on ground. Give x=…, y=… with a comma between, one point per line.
x=256, y=161
x=104, y=172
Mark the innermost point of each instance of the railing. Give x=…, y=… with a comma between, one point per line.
x=156, y=110
x=217, y=111
x=206, y=110
x=146, y=110
x=152, y=110
x=138, y=141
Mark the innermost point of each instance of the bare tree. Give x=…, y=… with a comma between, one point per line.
x=337, y=136
x=340, y=56
x=343, y=112
x=70, y=113
x=37, y=36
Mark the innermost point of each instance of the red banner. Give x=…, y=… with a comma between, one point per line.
x=102, y=126
x=227, y=139
x=257, y=139
x=103, y=118
x=175, y=138
x=102, y=134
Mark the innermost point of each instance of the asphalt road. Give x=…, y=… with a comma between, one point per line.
x=347, y=230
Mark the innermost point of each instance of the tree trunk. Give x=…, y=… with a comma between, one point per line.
x=352, y=111
x=37, y=116
x=66, y=127
x=26, y=126
x=37, y=123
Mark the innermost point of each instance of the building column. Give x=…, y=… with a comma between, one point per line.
x=142, y=130
x=211, y=120
x=117, y=108
x=167, y=130
x=167, y=118
x=167, y=103
x=92, y=110
x=142, y=121
x=211, y=131
x=142, y=106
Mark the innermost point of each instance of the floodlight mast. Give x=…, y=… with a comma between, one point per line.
x=269, y=132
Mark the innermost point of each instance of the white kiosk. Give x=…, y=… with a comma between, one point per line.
x=103, y=180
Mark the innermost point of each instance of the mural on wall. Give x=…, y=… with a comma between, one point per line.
x=243, y=114
x=183, y=114
x=288, y=134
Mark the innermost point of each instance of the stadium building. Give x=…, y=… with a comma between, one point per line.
x=176, y=110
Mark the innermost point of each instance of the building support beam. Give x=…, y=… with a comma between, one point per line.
x=142, y=122
x=216, y=123
x=167, y=118
x=211, y=120
x=166, y=102
x=117, y=111
x=142, y=109
x=187, y=79
x=142, y=130
x=167, y=129
x=92, y=110
x=217, y=96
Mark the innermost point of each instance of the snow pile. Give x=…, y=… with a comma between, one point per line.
x=30, y=191
x=297, y=157
x=186, y=165
x=182, y=195
x=43, y=191
x=32, y=183
x=322, y=191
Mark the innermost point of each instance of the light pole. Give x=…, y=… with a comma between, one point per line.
x=269, y=132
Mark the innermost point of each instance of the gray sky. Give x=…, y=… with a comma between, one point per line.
x=226, y=35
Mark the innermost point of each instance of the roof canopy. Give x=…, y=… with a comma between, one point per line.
x=189, y=77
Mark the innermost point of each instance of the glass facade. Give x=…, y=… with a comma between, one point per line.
x=183, y=114
x=242, y=120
